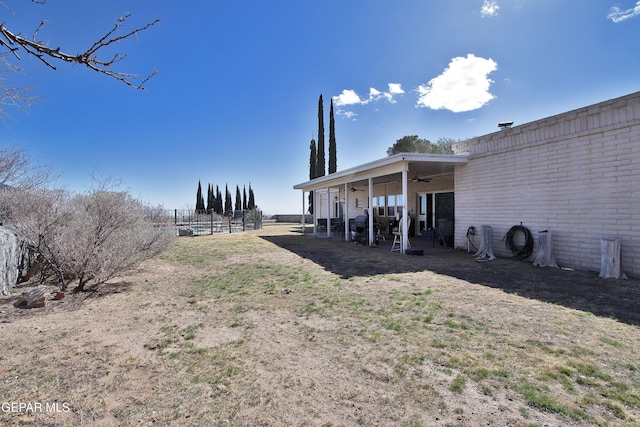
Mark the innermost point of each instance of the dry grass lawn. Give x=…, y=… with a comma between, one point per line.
x=270, y=328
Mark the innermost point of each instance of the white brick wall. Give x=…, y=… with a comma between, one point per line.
x=576, y=174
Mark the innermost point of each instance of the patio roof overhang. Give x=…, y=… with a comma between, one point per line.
x=398, y=167
x=420, y=164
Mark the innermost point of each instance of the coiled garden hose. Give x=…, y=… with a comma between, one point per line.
x=526, y=250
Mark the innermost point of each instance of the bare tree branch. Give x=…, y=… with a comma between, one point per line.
x=17, y=170
x=15, y=42
x=11, y=96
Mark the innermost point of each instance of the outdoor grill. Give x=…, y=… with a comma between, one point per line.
x=359, y=227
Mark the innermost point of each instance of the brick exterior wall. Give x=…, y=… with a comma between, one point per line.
x=575, y=174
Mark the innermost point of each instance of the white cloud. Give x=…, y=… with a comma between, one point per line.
x=395, y=88
x=349, y=97
x=489, y=8
x=373, y=94
x=463, y=86
x=618, y=15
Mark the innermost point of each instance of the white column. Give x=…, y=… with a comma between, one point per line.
x=328, y=212
x=346, y=212
x=315, y=213
x=303, y=214
x=370, y=212
x=405, y=213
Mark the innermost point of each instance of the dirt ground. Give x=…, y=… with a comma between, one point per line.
x=169, y=345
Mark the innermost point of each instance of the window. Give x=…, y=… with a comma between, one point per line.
x=337, y=208
x=394, y=204
x=378, y=205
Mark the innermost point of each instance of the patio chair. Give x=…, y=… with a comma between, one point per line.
x=397, y=237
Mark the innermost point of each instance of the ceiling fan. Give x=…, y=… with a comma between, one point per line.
x=416, y=178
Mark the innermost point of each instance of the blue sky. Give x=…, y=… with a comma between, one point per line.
x=236, y=95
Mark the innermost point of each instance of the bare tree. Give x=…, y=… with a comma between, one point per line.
x=92, y=57
x=11, y=96
x=18, y=171
x=17, y=175
x=38, y=217
x=85, y=238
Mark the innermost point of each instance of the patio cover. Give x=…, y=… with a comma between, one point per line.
x=399, y=167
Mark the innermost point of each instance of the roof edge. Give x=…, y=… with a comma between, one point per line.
x=385, y=161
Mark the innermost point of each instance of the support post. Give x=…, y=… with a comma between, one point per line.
x=370, y=225
x=328, y=212
x=302, y=219
x=405, y=214
x=315, y=213
x=346, y=212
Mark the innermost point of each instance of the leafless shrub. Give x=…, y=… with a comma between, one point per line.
x=85, y=238
x=18, y=170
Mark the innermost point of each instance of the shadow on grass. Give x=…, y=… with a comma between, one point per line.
x=346, y=259
x=579, y=290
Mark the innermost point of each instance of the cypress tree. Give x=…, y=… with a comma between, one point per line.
x=210, y=199
x=245, y=206
x=333, y=153
x=199, y=199
x=313, y=160
x=320, y=170
x=228, y=206
x=252, y=200
x=238, y=199
x=218, y=205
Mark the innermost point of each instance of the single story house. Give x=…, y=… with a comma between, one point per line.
x=575, y=174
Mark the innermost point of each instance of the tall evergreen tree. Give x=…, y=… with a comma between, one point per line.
x=245, y=205
x=313, y=169
x=321, y=163
x=333, y=153
x=218, y=207
x=313, y=160
x=210, y=198
x=251, y=204
x=199, y=199
x=238, y=199
x=228, y=205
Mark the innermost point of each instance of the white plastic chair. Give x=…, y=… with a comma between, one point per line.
x=397, y=237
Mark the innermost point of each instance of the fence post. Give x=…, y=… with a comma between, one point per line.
x=211, y=213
